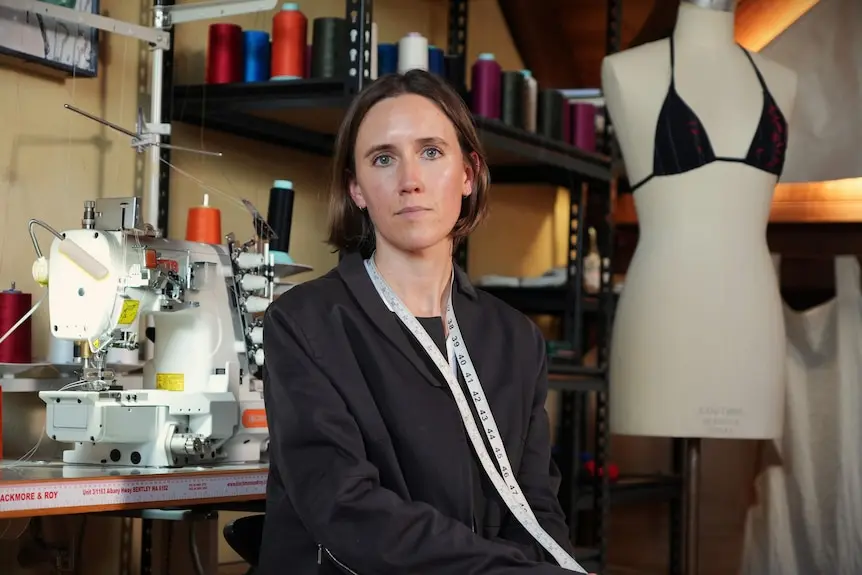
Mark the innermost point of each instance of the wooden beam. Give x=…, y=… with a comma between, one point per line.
x=759, y=22
x=838, y=201
x=835, y=202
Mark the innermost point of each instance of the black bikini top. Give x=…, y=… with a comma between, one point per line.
x=682, y=145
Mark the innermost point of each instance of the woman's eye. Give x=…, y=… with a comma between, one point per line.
x=431, y=153
x=382, y=160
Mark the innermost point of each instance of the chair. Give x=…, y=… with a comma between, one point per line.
x=244, y=535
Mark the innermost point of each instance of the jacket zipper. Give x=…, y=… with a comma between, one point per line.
x=321, y=550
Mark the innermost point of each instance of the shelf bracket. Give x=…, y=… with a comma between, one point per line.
x=213, y=9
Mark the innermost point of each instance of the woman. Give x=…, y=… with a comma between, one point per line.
x=373, y=468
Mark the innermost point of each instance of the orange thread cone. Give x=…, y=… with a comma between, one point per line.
x=204, y=224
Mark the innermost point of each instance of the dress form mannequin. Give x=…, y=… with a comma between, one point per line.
x=698, y=342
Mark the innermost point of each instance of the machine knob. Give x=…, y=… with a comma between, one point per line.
x=194, y=445
x=252, y=282
x=249, y=260
x=255, y=335
x=256, y=304
x=40, y=271
x=189, y=444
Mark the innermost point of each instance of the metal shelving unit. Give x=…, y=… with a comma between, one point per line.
x=305, y=115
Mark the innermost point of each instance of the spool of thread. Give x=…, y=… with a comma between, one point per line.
x=567, y=121
x=329, y=48
x=412, y=52
x=512, y=99
x=123, y=356
x=584, y=126
x=289, y=30
x=224, y=54
x=204, y=224
x=387, y=59
x=279, y=214
x=530, y=94
x=61, y=351
x=436, y=61
x=549, y=122
x=374, y=42
x=256, y=52
x=17, y=347
x=454, y=70
x=486, y=75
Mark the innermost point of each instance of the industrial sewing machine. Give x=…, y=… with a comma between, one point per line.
x=201, y=401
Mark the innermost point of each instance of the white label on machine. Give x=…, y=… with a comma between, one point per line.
x=120, y=491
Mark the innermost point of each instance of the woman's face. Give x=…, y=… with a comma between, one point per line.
x=410, y=173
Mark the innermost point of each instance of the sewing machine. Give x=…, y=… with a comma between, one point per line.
x=201, y=401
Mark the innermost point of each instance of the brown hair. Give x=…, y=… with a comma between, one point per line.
x=350, y=229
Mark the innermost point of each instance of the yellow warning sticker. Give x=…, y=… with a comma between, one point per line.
x=170, y=381
x=129, y=311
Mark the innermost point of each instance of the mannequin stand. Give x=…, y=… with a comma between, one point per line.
x=691, y=505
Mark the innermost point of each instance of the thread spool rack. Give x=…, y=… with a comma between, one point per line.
x=305, y=114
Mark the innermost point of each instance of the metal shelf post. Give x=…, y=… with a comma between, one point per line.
x=573, y=319
x=457, y=42
x=359, y=15
x=457, y=46
x=163, y=218
x=166, y=95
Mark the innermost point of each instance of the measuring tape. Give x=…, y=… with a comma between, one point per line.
x=111, y=491
x=504, y=480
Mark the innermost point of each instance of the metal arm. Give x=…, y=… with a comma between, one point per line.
x=158, y=38
x=192, y=12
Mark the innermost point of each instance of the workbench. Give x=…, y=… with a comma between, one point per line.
x=29, y=489
x=33, y=488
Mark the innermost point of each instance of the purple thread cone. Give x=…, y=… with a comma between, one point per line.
x=486, y=86
x=584, y=126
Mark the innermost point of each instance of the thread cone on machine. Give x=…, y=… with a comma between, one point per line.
x=203, y=224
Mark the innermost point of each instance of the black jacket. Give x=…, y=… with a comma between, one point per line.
x=371, y=471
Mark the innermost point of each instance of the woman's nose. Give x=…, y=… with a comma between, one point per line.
x=411, y=176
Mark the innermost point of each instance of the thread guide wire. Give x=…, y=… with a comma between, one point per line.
x=142, y=137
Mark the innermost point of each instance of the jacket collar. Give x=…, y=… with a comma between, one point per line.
x=352, y=270
x=352, y=267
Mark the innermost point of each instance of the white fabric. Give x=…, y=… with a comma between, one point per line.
x=824, y=48
x=808, y=518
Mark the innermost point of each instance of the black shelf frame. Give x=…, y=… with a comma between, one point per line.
x=274, y=112
x=305, y=115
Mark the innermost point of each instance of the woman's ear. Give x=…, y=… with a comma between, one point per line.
x=470, y=168
x=356, y=194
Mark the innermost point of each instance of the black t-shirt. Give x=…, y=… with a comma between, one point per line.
x=482, y=487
